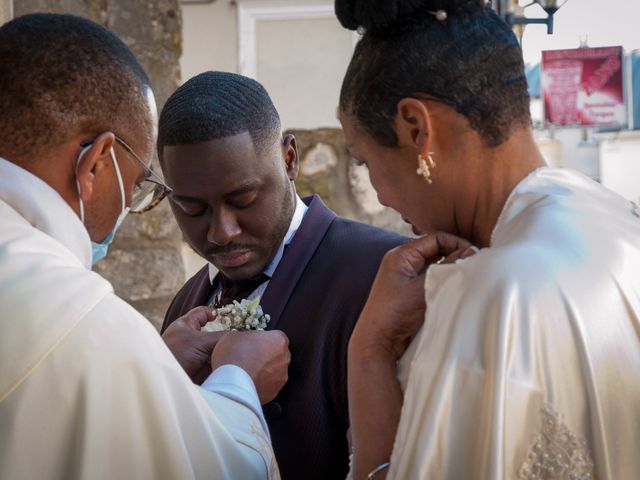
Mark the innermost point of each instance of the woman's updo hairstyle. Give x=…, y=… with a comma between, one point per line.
x=467, y=58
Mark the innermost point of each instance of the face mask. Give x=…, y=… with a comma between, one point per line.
x=99, y=250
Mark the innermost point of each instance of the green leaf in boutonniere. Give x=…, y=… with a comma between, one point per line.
x=243, y=315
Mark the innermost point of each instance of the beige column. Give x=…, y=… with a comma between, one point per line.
x=6, y=10
x=144, y=263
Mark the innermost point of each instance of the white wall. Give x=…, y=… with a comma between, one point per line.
x=301, y=64
x=295, y=48
x=573, y=148
x=620, y=163
x=209, y=38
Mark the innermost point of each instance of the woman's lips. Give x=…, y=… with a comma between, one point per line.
x=235, y=258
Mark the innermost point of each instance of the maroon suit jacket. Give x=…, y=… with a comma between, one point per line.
x=315, y=296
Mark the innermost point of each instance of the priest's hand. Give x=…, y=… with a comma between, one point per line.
x=264, y=355
x=191, y=346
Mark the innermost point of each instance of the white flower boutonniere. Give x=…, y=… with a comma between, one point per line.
x=244, y=315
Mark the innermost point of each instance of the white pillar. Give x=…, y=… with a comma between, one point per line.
x=6, y=10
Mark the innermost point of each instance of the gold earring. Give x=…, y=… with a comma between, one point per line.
x=425, y=166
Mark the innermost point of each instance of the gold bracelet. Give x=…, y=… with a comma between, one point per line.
x=377, y=470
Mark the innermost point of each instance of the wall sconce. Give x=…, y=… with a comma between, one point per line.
x=549, y=6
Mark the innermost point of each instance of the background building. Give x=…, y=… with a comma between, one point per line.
x=295, y=48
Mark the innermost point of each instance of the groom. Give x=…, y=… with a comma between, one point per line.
x=232, y=174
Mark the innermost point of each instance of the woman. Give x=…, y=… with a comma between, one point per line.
x=525, y=362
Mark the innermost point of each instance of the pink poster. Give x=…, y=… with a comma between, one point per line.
x=584, y=86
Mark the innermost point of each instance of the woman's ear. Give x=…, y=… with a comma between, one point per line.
x=413, y=124
x=94, y=163
x=290, y=154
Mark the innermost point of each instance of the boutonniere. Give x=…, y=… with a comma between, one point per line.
x=244, y=315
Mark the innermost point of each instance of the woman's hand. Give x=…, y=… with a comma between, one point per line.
x=395, y=308
x=393, y=313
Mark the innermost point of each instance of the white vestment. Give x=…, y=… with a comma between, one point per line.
x=88, y=388
x=528, y=362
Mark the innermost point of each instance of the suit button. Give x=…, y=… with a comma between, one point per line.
x=272, y=410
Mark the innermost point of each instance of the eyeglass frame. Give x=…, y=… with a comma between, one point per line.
x=149, y=176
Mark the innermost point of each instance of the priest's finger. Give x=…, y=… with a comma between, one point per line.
x=198, y=317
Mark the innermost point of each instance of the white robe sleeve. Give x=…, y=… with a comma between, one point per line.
x=110, y=401
x=235, y=384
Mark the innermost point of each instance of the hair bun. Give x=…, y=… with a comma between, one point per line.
x=379, y=14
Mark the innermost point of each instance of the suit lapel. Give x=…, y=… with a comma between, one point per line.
x=315, y=224
x=200, y=292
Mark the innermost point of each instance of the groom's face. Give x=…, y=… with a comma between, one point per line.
x=232, y=200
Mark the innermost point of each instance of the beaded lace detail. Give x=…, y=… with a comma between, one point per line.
x=556, y=452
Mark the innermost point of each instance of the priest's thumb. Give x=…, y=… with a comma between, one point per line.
x=198, y=317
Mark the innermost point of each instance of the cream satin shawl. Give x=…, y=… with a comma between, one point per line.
x=528, y=362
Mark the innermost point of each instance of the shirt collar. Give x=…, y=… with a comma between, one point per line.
x=44, y=208
x=296, y=220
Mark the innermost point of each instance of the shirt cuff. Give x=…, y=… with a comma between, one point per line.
x=234, y=383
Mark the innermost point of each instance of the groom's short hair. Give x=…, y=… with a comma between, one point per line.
x=61, y=74
x=216, y=105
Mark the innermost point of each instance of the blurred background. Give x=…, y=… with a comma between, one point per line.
x=299, y=52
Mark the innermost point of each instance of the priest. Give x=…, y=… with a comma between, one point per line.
x=88, y=389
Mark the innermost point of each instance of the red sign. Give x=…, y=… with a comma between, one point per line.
x=584, y=86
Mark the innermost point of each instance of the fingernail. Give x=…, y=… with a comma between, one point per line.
x=469, y=252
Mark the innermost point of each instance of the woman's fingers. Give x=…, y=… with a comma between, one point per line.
x=417, y=255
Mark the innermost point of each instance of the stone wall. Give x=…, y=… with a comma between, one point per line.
x=144, y=263
x=326, y=168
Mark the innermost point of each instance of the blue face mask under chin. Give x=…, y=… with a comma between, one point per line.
x=99, y=250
